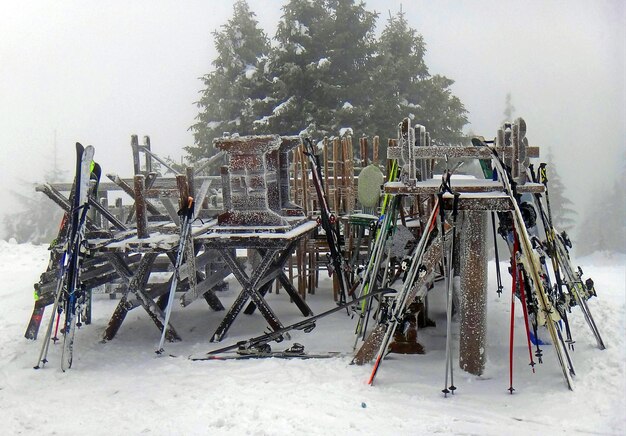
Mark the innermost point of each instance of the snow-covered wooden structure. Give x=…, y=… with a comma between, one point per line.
x=262, y=204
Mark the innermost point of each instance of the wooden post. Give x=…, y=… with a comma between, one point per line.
x=104, y=201
x=326, y=166
x=335, y=163
x=146, y=144
x=183, y=189
x=344, y=175
x=349, y=196
x=131, y=192
x=364, y=152
x=134, y=145
x=191, y=181
x=140, y=207
x=375, y=150
x=515, y=140
x=473, y=299
x=305, y=182
x=120, y=209
x=294, y=171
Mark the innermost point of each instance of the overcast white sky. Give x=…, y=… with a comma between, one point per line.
x=96, y=72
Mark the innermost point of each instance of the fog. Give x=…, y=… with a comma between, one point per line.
x=97, y=72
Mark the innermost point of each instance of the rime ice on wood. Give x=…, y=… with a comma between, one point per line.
x=473, y=315
x=256, y=180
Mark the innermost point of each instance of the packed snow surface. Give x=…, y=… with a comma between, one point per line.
x=121, y=387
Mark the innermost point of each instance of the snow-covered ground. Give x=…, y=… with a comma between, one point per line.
x=121, y=387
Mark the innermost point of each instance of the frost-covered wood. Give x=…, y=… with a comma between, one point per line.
x=472, y=313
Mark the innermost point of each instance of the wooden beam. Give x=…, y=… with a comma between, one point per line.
x=438, y=151
x=473, y=301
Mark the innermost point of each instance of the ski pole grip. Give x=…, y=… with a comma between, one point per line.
x=190, y=206
x=543, y=174
x=455, y=205
x=183, y=189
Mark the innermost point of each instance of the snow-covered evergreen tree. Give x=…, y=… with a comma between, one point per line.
x=562, y=208
x=236, y=90
x=325, y=72
x=403, y=86
x=604, y=224
x=509, y=109
x=319, y=67
x=37, y=218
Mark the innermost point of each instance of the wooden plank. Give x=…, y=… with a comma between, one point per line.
x=432, y=186
x=438, y=151
x=161, y=183
x=140, y=208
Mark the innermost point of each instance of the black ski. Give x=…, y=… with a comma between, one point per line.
x=306, y=325
x=74, y=294
x=296, y=351
x=328, y=221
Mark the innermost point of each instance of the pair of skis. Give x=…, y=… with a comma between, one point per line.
x=525, y=257
x=556, y=248
x=420, y=264
x=306, y=325
x=379, y=253
x=329, y=222
x=384, y=332
x=69, y=296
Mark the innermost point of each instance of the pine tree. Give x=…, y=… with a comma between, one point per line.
x=616, y=213
x=604, y=225
x=563, y=214
x=594, y=234
x=509, y=109
x=325, y=72
x=403, y=86
x=37, y=218
x=235, y=90
x=319, y=67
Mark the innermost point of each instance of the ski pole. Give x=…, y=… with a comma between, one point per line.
x=495, y=247
x=514, y=285
x=187, y=214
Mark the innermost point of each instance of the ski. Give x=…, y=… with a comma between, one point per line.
x=273, y=354
x=370, y=278
x=576, y=287
x=557, y=250
x=546, y=314
x=296, y=351
x=66, y=234
x=328, y=221
x=74, y=296
x=408, y=291
x=306, y=325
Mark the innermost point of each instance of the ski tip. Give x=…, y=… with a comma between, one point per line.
x=386, y=291
x=477, y=142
